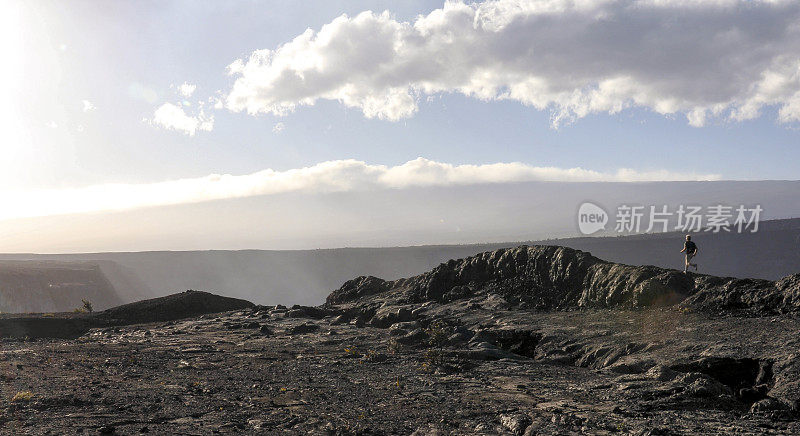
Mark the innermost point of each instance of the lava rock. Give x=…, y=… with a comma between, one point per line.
x=303, y=328
x=386, y=316
x=515, y=423
x=767, y=405
x=662, y=373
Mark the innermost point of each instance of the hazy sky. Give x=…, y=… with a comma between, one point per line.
x=111, y=105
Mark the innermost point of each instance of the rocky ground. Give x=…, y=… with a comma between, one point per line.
x=374, y=361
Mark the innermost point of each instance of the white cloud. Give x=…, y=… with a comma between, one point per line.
x=278, y=127
x=186, y=89
x=331, y=176
x=52, y=124
x=171, y=116
x=87, y=105
x=722, y=59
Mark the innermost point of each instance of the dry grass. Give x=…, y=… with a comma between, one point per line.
x=22, y=396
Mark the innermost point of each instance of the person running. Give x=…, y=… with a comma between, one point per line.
x=690, y=248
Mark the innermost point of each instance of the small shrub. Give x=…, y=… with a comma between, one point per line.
x=437, y=334
x=22, y=396
x=351, y=352
x=85, y=308
x=393, y=347
x=435, y=357
x=373, y=356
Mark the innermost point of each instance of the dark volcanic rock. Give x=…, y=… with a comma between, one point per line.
x=741, y=375
x=298, y=311
x=69, y=325
x=539, y=277
x=172, y=307
x=386, y=316
x=41, y=327
x=357, y=288
x=716, y=294
x=478, y=364
x=303, y=328
x=559, y=278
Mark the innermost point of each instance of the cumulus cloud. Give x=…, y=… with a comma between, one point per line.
x=186, y=89
x=88, y=106
x=331, y=176
x=706, y=60
x=173, y=117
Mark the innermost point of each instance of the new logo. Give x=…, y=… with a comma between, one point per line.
x=591, y=218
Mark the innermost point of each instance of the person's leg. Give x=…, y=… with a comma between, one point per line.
x=686, y=262
x=689, y=263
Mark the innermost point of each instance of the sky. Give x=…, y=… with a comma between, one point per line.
x=120, y=105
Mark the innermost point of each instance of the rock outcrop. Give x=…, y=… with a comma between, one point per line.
x=758, y=297
x=71, y=325
x=559, y=278
x=535, y=277
x=171, y=307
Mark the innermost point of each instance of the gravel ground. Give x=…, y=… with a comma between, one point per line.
x=451, y=371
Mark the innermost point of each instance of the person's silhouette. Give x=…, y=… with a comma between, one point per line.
x=690, y=248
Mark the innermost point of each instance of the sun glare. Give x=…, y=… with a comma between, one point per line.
x=11, y=76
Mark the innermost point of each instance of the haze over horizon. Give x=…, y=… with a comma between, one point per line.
x=135, y=126
x=486, y=213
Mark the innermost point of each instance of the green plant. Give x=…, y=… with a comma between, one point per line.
x=85, y=308
x=437, y=334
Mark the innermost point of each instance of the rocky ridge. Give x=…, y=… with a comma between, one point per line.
x=559, y=278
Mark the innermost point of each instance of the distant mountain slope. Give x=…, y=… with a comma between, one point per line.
x=307, y=276
x=36, y=286
x=445, y=215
